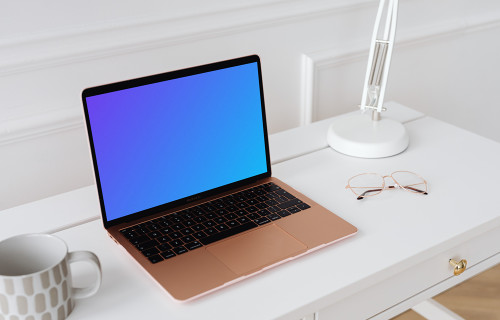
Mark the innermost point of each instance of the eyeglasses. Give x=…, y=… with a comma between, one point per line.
x=371, y=184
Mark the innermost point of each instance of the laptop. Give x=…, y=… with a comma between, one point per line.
x=182, y=168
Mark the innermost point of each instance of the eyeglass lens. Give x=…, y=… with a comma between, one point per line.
x=410, y=181
x=367, y=184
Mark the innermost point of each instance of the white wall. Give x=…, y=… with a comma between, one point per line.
x=313, y=55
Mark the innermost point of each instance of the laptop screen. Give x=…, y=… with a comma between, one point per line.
x=162, y=139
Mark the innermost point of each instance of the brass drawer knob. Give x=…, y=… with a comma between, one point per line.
x=458, y=267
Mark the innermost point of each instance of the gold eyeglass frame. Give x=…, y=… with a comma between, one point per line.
x=379, y=189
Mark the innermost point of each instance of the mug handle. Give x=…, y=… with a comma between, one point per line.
x=79, y=293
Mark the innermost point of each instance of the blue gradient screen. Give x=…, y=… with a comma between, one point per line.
x=168, y=140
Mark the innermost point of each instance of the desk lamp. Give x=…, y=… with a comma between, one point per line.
x=361, y=135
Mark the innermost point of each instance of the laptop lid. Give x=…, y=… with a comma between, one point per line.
x=165, y=140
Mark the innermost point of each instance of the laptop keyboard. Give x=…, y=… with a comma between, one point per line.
x=179, y=232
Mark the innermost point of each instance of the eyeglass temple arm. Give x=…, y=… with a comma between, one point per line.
x=416, y=190
x=363, y=195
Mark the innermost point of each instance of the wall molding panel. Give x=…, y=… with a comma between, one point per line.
x=45, y=50
x=36, y=126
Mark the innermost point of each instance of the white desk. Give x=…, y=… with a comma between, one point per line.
x=398, y=259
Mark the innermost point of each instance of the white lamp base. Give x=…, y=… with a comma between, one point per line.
x=360, y=136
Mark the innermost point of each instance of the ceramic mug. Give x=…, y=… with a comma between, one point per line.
x=35, y=278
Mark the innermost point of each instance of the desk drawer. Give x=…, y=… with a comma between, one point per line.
x=416, y=280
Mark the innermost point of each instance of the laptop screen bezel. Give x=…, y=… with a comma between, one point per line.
x=102, y=89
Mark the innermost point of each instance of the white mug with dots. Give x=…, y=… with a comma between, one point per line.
x=35, y=278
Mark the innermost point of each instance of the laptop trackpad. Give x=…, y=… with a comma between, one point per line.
x=251, y=251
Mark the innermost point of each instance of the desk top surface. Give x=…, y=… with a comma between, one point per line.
x=396, y=230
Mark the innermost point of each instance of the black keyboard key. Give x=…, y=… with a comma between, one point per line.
x=273, y=209
x=210, y=231
x=263, y=198
x=193, y=245
x=175, y=235
x=198, y=227
x=187, y=216
x=239, y=197
x=129, y=229
x=221, y=227
x=230, y=216
x=228, y=233
x=271, y=202
x=261, y=205
x=262, y=220
x=264, y=212
x=242, y=205
x=197, y=211
x=243, y=220
x=130, y=234
x=232, y=223
x=272, y=196
x=179, y=226
x=283, y=193
x=146, y=245
x=220, y=220
x=154, y=227
x=188, y=239
x=139, y=240
x=155, y=259
x=252, y=202
x=271, y=187
x=199, y=235
x=167, y=254
x=221, y=212
x=158, y=220
x=187, y=231
x=252, y=209
x=179, y=250
x=142, y=231
x=260, y=191
x=150, y=252
x=293, y=210
x=253, y=216
x=281, y=199
x=163, y=239
x=208, y=208
x=218, y=204
x=241, y=213
x=166, y=230
x=189, y=223
x=209, y=224
x=164, y=247
x=283, y=213
x=176, y=242
x=164, y=223
x=289, y=203
x=210, y=215
x=175, y=218
x=273, y=216
x=154, y=234
x=303, y=206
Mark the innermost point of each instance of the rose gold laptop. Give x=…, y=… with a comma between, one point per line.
x=182, y=166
